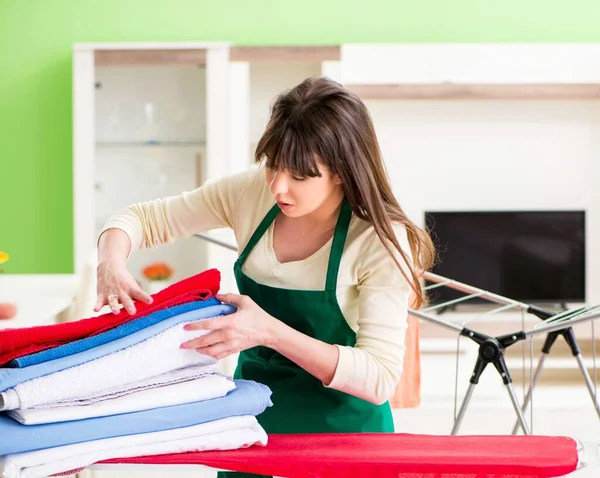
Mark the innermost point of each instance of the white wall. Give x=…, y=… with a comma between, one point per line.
x=495, y=155
x=267, y=80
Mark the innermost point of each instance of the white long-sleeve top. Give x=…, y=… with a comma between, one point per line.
x=371, y=291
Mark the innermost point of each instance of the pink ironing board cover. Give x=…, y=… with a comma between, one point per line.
x=390, y=455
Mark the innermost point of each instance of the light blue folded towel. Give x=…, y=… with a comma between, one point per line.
x=9, y=377
x=122, y=330
x=248, y=398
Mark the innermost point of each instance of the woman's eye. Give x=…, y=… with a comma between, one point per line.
x=296, y=178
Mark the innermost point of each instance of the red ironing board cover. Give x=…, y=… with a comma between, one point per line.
x=17, y=342
x=390, y=455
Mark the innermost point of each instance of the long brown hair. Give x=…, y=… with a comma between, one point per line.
x=320, y=118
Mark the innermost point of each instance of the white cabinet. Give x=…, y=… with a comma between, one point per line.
x=150, y=120
x=150, y=129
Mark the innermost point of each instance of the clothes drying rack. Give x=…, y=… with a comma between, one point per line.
x=492, y=348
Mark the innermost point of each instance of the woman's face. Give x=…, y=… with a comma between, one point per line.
x=298, y=197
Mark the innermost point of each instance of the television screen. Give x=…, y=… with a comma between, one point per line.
x=532, y=257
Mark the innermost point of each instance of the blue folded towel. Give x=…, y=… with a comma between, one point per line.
x=248, y=398
x=122, y=330
x=9, y=377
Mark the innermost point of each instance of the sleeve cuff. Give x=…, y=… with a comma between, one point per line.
x=134, y=239
x=342, y=378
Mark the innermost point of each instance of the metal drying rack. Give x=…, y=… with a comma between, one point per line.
x=492, y=349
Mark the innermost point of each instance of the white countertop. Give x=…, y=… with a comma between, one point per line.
x=40, y=298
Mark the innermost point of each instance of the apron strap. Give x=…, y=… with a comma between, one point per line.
x=259, y=231
x=337, y=246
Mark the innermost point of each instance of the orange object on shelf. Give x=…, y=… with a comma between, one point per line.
x=157, y=271
x=7, y=310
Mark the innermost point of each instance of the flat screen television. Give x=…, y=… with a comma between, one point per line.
x=536, y=257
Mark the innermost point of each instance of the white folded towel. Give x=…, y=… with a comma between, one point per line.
x=154, y=356
x=195, y=390
x=171, y=377
x=225, y=434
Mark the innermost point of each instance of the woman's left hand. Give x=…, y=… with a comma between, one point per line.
x=248, y=327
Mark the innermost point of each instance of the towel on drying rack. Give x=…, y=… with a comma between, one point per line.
x=17, y=342
x=9, y=377
x=204, y=385
x=122, y=330
x=154, y=356
x=247, y=398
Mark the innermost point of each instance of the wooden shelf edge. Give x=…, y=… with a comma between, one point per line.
x=286, y=53
x=149, y=57
x=452, y=91
x=198, y=56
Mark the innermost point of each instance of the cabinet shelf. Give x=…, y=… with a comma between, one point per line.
x=149, y=144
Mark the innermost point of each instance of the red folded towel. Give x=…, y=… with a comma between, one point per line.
x=390, y=456
x=17, y=342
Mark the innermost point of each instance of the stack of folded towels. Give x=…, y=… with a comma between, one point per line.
x=117, y=386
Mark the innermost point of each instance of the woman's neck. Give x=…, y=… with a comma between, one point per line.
x=325, y=216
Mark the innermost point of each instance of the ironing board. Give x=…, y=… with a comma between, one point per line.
x=383, y=456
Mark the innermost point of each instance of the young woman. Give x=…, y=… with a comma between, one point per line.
x=327, y=265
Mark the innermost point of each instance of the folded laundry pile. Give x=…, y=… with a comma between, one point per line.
x=117, y=386
x=18, y=347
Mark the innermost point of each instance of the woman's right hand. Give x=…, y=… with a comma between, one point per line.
x=116, y=285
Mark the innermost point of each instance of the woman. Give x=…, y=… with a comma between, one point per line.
x=328, y=263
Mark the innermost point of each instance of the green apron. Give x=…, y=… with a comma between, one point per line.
x=301, y=403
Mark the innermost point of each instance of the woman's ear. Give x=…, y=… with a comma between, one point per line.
x=337, y=180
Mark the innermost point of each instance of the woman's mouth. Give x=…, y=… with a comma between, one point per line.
x=284, y=206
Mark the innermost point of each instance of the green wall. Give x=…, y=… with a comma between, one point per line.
x=36, y=37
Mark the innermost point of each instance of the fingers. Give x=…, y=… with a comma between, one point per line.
x=113, y=303
x=217, y=351
x=128, y=304
x=116, y=286
x=135, y=293
x=139, y=294
x=209, y=324
x=112, y=299
x=217, y=344
x=101, y=302
x=206, y=340
x=233, y=299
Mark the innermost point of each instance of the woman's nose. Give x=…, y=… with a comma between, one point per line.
x=279, y=184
